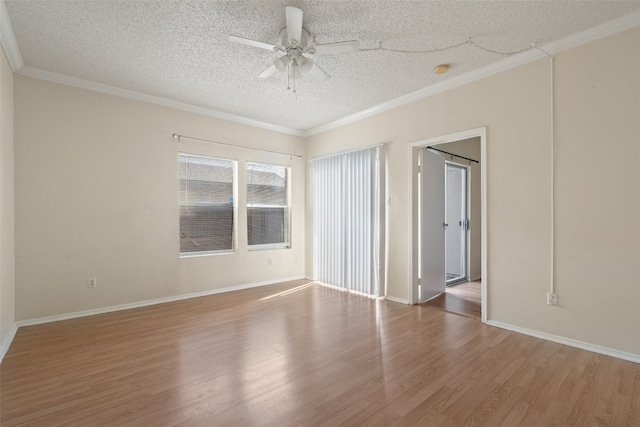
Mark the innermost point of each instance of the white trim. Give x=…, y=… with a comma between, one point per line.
x=102, y=310
x=474, y=278
x=452, y=137
x=137, y=96
x=484, y=256
x=8, y=40
x=413, y=202
x=452, y=83
x=412, y=226
x=606, y=29
x=6, y=342
x=631, y=357
x=398, y=300
x=592, y=34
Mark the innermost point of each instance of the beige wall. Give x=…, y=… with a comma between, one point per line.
x=497, y=102
x=96, y=196
x=597, y=188
x=7, y=264
x=598, y=192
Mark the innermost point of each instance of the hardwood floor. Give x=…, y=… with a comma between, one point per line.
x=463, y=298
x=304, y=355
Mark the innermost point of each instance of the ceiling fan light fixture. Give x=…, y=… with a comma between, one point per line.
x=441, y=68
x=293, y=42
x=305, y=65
x=282, y=63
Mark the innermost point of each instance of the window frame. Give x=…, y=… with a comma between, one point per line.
x=234, y=192
x=287, y=209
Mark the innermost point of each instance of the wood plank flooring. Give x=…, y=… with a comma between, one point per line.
x=304, y=355
x=463, y=298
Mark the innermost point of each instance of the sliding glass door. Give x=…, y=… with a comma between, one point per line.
x=347, y=220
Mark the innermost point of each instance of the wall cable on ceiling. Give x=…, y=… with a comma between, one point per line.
x=469, y=41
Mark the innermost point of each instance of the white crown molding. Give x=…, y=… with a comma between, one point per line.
x=102, y=310
x=600, y=31
x=631, y=357
x=6, y=342
x=606, y=29
x=137, y=96
x=452, y=83
x=8, y=39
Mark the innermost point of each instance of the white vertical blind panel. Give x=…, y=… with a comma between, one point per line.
x=347, y=220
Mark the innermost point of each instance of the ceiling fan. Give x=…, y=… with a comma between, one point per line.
x=293, y=42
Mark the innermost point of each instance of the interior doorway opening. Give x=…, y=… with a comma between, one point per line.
x=449, y=236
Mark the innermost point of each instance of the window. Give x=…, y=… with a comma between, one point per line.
x=267, y=205
x=207, y=214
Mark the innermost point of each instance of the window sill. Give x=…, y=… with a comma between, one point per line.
x=269, y=247
x=204, y=254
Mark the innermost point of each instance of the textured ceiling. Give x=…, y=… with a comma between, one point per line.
x=179, y=50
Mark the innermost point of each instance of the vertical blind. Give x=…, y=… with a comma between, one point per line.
x=206, y=204
x=347, y=220
x=267, y=204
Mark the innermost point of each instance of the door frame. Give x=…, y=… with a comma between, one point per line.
x=414, y=199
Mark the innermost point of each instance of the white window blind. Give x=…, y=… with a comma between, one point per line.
x=267, y=205
x=207, y=214
x=347, y=226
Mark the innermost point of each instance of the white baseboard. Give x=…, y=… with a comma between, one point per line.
x=631, y=357
x=6, y=342
x=475, y=278
x=399, y=300
x=101, y=310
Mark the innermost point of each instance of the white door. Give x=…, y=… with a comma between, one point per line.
x=433, y=277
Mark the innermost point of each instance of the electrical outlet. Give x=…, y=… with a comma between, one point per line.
x=93, y=282
x=270, y=261
x=552, y=299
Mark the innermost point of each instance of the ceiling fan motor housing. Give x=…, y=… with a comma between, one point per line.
x=286, y=44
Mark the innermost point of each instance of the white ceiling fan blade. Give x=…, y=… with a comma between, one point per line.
x=268, y=72
x=294, y=24
x=335, y=48
x=253, y=43
x=317, y=72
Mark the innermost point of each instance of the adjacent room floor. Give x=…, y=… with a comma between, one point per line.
x=300, y=354
x=463, y=298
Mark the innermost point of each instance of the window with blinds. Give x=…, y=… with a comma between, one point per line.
x=268, y=210
x=207, y=214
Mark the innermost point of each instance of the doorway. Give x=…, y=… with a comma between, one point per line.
x=449, y=236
